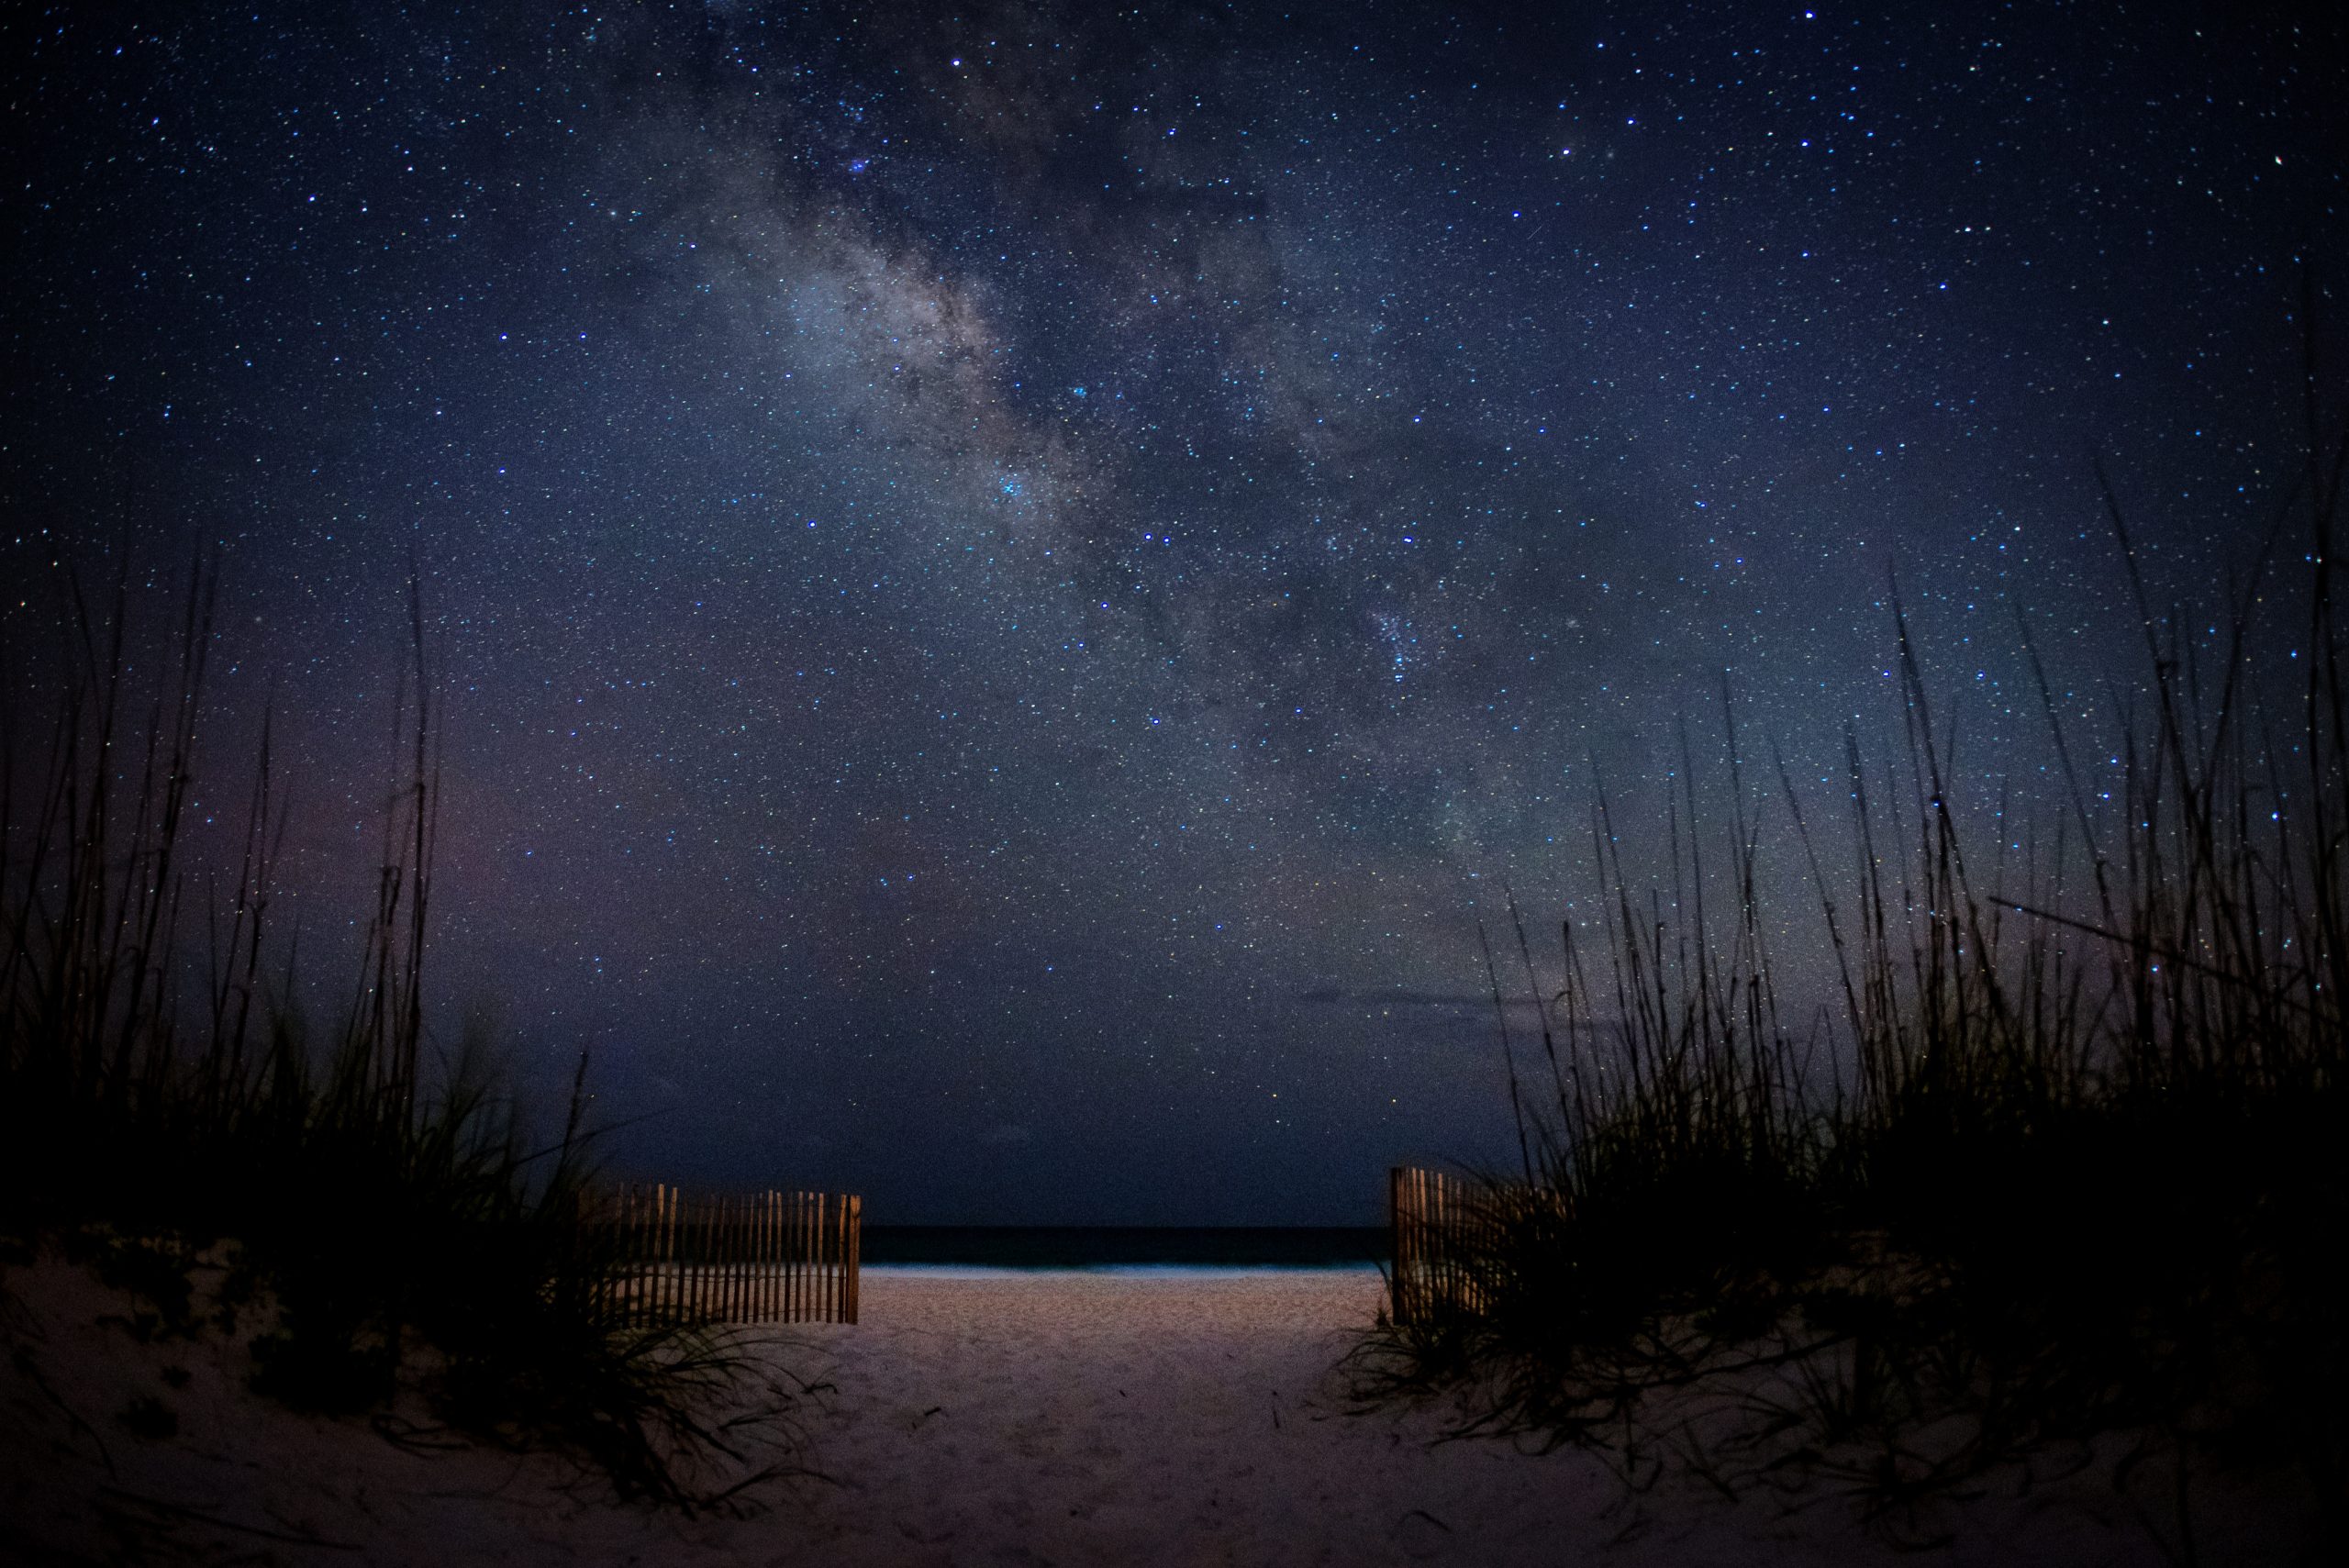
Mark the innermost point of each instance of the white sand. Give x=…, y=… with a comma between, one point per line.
x=1158, y=1418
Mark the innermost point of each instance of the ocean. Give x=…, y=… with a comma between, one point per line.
x=1124, y=1247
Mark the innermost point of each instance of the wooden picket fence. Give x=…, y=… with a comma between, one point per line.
x=770, y=1257
x=1435, y=1221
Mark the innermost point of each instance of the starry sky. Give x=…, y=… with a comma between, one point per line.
x=1005, y=585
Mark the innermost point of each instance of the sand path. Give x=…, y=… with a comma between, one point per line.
x=1151, y=1419
x=1138, y=1418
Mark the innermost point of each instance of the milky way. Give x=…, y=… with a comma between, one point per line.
x=1007, y=587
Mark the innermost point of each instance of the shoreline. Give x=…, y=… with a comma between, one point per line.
x=1034, y=1271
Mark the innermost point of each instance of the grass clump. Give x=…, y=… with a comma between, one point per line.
x=377, y=1207
x=2057, y=1174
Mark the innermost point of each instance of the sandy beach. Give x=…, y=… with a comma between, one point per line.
x=1148, y=1419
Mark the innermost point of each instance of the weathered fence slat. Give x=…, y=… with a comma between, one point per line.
x=824, y=1255
x=736, y=1309
x=856, y=1254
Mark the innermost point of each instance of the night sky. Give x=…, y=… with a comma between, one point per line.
x=1006, y=585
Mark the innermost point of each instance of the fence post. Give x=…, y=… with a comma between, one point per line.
x=718, y=1272
x=730, y=1309
x=823, y=1259
x=672, y=1274
x=655, y=1264
x=706, y=1297
x=1403, y=1239
x=693, y=1248
x=668, y=1282
x=856, y=1252
x=673, y=1259
x=746, y=1257
x=632, y=1253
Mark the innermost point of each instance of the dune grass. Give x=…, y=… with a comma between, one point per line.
x=2056, y=1174
x=376, y=1200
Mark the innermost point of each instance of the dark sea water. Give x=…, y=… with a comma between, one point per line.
x=1138, y=1247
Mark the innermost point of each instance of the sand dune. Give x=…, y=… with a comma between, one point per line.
x=1062, y=1418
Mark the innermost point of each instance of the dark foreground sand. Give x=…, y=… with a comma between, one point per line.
x=1126, y=1418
